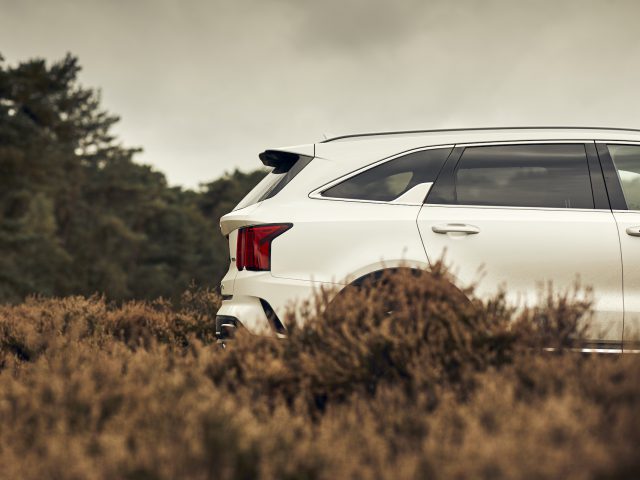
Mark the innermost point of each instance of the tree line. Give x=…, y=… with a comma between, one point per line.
x=79, y=216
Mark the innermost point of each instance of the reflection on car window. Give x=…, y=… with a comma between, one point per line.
x=627, y=161
x=548, y=176
x=390, y=180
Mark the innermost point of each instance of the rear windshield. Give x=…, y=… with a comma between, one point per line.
x=276, y=180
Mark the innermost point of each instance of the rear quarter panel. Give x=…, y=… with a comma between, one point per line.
x=338, y=241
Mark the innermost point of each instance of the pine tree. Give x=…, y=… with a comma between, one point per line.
x=78, y=215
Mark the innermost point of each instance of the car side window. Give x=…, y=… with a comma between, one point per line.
x=626, y=159
x=390, y=180
x=541, y=175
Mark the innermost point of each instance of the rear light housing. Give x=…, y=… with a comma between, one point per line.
x=253, y=250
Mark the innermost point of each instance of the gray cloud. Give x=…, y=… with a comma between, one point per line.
x=363, y=25
x=205, y=85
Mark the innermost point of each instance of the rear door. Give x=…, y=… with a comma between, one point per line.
x=523, y=215
x=621, y=163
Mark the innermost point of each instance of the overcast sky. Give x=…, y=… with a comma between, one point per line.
x=204, y=85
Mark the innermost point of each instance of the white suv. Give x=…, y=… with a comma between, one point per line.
x=524, y=206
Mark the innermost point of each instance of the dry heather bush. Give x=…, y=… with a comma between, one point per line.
x=404, y=378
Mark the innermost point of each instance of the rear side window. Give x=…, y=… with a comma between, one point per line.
x=274, y=182
x=388, y=181
x=544, y=176
x=626, y=158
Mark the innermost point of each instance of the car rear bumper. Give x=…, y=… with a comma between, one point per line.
x=261, y=302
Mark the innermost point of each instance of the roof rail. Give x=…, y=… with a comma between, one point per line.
x=442, y=130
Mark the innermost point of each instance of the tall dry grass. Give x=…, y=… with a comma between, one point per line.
x=403, y=379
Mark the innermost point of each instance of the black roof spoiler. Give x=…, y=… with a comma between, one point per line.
x=278, y=159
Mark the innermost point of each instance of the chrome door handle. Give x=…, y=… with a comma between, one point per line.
x=633, y=231
x=455, y=228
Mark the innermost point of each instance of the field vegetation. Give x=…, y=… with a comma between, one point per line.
x=404, y=379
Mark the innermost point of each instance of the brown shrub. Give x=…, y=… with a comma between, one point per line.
x=404, y=378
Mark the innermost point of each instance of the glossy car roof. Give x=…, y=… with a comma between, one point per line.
x=493, y=133
x=368, y=146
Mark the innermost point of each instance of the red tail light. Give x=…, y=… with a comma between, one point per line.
x=254, y=245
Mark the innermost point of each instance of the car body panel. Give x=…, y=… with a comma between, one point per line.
x=285, y=296
x=339, y=241
x=630, y=246
x=526, y=249
x=334, y=241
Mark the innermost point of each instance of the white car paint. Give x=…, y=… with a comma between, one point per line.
x=630, y=245
x=335, y=241
x=525, y=249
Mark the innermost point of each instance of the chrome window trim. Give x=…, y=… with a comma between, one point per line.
x=316, y=194
x=618, y=142
x=504, y=207
x=617, y=350
x=523, y=142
